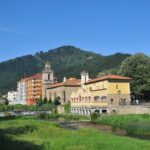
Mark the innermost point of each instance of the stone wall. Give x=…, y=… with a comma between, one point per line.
x=133, y=110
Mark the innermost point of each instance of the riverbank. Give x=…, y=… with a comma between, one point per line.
x=135, y=125
x=28, y=133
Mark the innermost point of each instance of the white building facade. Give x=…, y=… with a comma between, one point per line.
x=21, y=89
x=12, y=97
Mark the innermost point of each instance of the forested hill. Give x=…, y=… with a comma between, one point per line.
x=65, y=61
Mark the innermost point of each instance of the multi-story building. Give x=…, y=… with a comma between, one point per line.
x=21, y=89
x=33, y=88
x=101, y=94
x=12, y=97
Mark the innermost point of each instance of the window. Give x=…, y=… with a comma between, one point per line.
x=96, y=98
x=89, y=98
x=116, y=86
x=103, y=98
x=112, y=100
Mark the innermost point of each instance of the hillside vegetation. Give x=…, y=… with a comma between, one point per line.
x=66, y=61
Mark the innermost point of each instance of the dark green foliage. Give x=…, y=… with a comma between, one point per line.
x=138, y=68
x=56, y=101
x=50, y=101
x=39, y=102
x=94, y=116
x=42, y=116
x=66, y=61
x=67, y=107
x=45, y=100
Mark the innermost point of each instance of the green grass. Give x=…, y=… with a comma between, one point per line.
x=30, y=134
x=134, y=124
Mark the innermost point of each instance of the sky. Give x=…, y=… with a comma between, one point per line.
x=101, y=26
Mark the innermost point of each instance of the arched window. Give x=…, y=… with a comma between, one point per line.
x=80, y=98
x=89, y=98
x=85, y=99
x=104, y=98
x=117, y=86
x=97, y=98
x=76, y=99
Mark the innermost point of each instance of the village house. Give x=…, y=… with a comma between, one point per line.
x=100, y=95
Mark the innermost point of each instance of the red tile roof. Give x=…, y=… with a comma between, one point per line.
x=108, y=77
x=35, y=76
x=39, y=75
x=69, y=82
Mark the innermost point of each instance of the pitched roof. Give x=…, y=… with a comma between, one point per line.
x=109, y=77
x=35, y=76
x=69, y=82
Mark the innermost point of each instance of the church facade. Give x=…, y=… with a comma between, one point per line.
x=101, y=94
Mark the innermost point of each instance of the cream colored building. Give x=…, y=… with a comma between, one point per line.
x=101, y=94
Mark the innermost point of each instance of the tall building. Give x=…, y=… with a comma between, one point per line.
x=101, y=94
x=47, y=78
x=21, y=89
x=33, y=88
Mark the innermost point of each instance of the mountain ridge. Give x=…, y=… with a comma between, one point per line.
x=65, y=61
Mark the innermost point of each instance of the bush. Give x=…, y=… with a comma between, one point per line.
x=94, y=116
x=42, y=115
x=56, y=101
x=39, y=102
x=45, y=100
x=54, y=116
x=2, y=107
x=67, y=107
x=19, y=107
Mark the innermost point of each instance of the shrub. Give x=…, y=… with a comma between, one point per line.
x=56, y=101
x=42, y=115
x=45, y=100
x=39, y=102
x=50, y=101
x=2, y=107
x=67, y=107
x=94, y=116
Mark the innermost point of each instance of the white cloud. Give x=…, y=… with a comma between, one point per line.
x=11, y=30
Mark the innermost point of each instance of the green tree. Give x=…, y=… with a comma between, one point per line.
x=56, y=101
x=45, y=100
x=67, y=107
x=138, y=68
x=39, y=102
x=50, y=101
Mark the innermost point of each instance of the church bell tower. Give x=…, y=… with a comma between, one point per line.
x=47, y=78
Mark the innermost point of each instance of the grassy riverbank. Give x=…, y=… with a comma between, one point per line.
x=28, y=133
x=63, y=116
x=134, y=124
